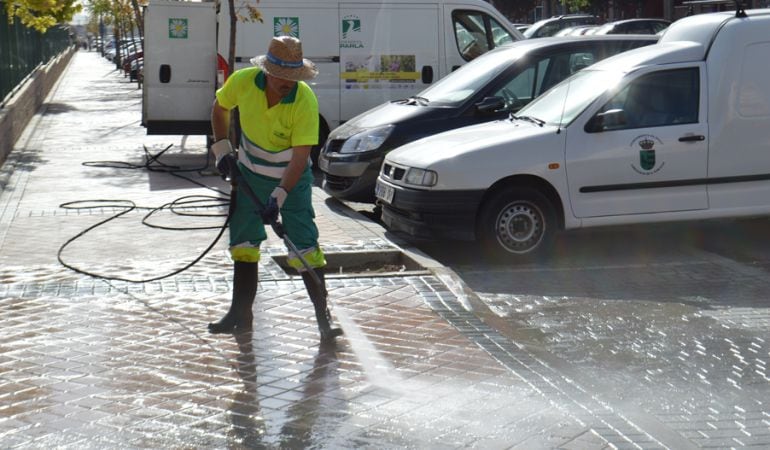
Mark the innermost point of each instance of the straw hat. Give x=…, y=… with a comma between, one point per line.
x=284, y=60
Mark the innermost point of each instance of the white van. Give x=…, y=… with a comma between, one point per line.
x=180, y=67
x=678, y=130
x=367, y=51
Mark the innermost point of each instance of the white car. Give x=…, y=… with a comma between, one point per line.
x=678, y=130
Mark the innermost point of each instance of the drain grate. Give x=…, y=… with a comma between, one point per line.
x=368, y=264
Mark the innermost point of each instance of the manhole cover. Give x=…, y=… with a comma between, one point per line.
x=378, y=263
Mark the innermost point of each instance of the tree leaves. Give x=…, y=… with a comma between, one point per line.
x=42, y=14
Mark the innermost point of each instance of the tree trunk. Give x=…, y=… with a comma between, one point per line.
x=233, y=26
x=139, y=20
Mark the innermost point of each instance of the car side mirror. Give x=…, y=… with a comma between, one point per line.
x=610, y=119
x=490, y=105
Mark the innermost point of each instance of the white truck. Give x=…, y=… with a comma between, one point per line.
x=678, y=130
x=368, y=51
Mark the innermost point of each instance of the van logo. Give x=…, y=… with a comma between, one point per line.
x=350, y=24
x=177, y=28
x=286, y=26
x=647, y=159
x=647, y=154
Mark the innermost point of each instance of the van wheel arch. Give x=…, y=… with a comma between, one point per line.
x=522, y=199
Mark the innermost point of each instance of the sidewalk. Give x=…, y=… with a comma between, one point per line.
x=87, y=362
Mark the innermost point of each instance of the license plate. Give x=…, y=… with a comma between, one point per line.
x=323, y=164
x=384, y=192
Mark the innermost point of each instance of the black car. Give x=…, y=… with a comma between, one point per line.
x=488, y=88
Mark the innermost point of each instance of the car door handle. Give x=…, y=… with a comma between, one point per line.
x=692, y=138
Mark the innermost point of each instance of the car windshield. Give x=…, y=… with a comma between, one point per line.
x=458, y=86
x=560, y=105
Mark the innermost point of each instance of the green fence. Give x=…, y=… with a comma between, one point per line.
x=23, y=49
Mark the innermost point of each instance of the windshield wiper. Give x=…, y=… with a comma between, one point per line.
x=535, y=120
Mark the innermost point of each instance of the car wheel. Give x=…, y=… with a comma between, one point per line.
x=517, y=222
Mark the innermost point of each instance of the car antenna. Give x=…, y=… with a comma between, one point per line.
x=739, y=11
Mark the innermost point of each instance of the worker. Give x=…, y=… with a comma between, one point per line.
x=278, y=116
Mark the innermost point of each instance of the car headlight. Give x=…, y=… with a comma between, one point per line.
x=367, y=140
x=420, y=177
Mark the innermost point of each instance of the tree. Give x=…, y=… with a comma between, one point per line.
x=252, y=14
x=120, y=13
x=42, y=14
x=236, y=14
x=576, y=5
x=518, y=11
x=139, y=18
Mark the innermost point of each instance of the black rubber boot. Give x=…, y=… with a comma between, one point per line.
x=318, y=297
x=240, y=316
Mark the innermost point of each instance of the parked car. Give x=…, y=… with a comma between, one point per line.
x=552, y=25
x=522, y=27
x=676, y=131
x=488, y=88
x=634, y=26
x=577, y=31
x=129, y=59
x=136, y=69
x=127, y=46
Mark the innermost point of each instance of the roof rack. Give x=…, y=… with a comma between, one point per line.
x=689, y=4
x=739, y=12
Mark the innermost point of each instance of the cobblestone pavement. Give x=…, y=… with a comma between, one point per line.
x=525, y=357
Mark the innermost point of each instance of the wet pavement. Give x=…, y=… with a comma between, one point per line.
x=668, y=326
x=106, y=362
x=109, y=352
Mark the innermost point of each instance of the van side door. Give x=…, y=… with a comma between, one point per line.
x=644, y=150
x=739, y=114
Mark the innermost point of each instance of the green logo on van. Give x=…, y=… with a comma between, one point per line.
x=286, y=26
x=350, y=24
x=648, y=163
x=177, y=28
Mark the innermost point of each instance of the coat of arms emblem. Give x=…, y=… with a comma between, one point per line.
x=647, y=154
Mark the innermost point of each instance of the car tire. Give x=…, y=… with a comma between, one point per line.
x=517, y=223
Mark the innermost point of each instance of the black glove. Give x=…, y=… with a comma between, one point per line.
x=228, y=166
x=270, y=211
